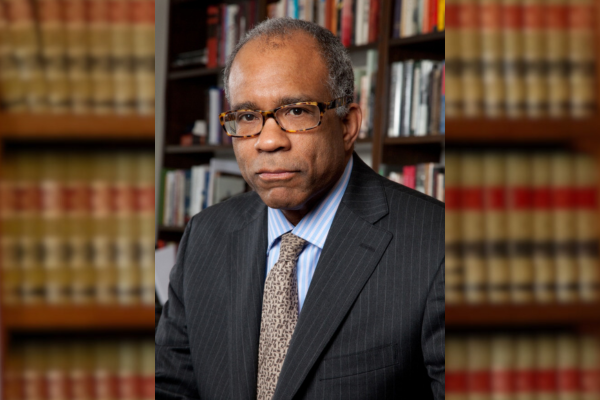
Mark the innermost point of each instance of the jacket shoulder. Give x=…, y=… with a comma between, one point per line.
x=425, y=200
x=228, y=215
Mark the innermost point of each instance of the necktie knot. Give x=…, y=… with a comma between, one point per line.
x=291, y=246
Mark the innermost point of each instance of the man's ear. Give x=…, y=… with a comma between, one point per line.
x=351, y=123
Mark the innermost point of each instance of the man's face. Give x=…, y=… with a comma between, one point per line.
x=290, y=171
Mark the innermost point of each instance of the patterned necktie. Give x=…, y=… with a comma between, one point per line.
x=279, y=315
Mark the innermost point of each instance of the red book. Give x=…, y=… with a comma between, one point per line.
x=212, y=38
x=374, y=20
x=433, y=15
x=347, y=23
x=328, y=13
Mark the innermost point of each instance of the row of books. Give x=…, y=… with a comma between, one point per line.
x=57, y=370
x=427, y=178
x=365, y=80
x=417, y=98
x=226, y=25
x=208, y=131
x=542, y=366
x=521, y=227
x=186, y=192
x=84, y=57
x=355, y=22
x=77, y=228
x=519, y=59
x=414, y=17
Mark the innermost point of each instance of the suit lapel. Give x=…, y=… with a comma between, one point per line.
x=350, y=254
x=248, y=248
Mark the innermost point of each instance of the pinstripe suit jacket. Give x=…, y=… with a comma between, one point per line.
x=372, y=326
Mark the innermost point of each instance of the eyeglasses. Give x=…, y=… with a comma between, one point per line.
x=292, y=118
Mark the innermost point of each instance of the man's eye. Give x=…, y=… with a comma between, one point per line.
x=246, y=118
x=296, y=111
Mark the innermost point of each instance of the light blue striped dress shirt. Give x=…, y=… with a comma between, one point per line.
x=313, y=228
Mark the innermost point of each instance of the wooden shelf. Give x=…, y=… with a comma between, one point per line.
x=468, y=316
x=425, y=38
x=194, y=73
x=79, y=318
x=171, y=229
x=196, y=149
x=364, y=47
x=415, y=140
x=80, y=127
x=482, y=130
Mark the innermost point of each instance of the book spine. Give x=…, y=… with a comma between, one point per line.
x=34, y=380
x=105, y=373
x=26, y=52
x=534, y=52
x=397, y=21
x=502, y=371
x=374, y=6
x=525, y=367
x=441, y=15
x=101, y=56
x=543, y=245
x=568, y=367
x=513, y=55
x=30, y=233
x=79, y=229
x=565, y=239
x=454, y=263
x=471, y=57
x=491, y=42
x=129, y=371
x=589, y=366
x=143, y=52
x=53, y=47
x=454, y=59
x=557, y=57
x=581, y=58
x=475, y=276
x=9, y=254
x=103, y=223
x=347, y=23
x=587, y=231
x=13, y=97
x=407, y=97
x=144, y=207
x=127, y=235
x=82, y=370
x=520, y=229
x=456, y=369
x=147, y=370
x=442, y=126
x=498, y=272
x=54, y=243
x=415, y=98
x=123, y=56
x=478, y=367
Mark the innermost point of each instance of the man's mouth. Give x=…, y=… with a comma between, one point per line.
x=275, y=174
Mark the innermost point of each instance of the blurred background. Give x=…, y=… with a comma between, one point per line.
x=77, y=227
x=523, y=141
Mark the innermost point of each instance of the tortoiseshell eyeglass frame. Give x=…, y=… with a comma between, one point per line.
x=339, y=102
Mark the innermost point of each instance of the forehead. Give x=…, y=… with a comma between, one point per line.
x=266, y=69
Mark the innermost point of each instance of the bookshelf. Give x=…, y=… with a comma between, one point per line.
x=582, y=135
x=185, y=83
x=80, y=127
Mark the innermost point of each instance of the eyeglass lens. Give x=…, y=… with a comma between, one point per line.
x=290, y=118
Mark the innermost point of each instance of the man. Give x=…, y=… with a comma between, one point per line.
x=350, y=304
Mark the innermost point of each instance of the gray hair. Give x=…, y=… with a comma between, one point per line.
x=340, y=81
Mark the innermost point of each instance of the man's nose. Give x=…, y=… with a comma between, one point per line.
x=272, y=137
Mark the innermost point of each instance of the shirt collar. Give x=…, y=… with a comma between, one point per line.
x=314, y=227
